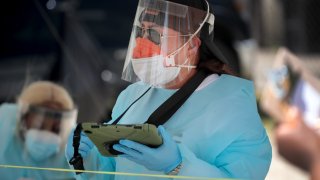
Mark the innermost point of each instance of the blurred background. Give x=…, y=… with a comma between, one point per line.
x=81, y=44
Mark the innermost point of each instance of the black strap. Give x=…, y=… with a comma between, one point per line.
x=163, y=113
x=76, y=161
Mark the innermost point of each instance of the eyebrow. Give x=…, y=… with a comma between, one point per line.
x=149, y=27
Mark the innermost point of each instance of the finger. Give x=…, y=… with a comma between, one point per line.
x=87, y=141
x=126, y=150
x=165, y=136
x=124, y=155
x=294, y=113
x=83, y=153
x=133, y=159
x=130, y=158
x=283, y=130
x=134, y=145
x=290, y=118
x=84, y=147
x=83, y=134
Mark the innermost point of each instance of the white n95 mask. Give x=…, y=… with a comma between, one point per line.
x=40, y=145
x=152, y=70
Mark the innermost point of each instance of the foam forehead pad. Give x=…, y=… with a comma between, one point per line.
x=187, y=24
x=199, y=4
x=173, y=22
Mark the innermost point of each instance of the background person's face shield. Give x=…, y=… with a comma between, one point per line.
x=59, y=122
x=160, y=42
x=44, y=130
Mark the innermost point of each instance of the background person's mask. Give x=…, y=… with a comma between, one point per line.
x=40, y=145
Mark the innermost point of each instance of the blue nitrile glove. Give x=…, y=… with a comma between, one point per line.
x=84, y=148
x=164, y=158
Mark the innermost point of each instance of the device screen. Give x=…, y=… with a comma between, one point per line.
x=307, y=99
x=291, y=90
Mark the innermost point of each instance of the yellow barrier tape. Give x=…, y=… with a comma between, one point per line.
x=107, y=172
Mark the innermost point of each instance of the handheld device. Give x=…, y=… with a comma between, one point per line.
x=289, y=84
x=104, y=136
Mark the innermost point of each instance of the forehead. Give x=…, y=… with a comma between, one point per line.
x=52, y=105
x=152, y=12
x=154, y=16
x=167, y=22
x=155, y=20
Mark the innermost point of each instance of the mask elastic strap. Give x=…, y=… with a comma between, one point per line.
x=170, y=63
x=186, y=66
x=77, y=161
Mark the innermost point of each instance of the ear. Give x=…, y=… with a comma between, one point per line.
x=194, y=45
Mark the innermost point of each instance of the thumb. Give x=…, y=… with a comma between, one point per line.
x=165, y=135
x=293, y=117
x=294, y=114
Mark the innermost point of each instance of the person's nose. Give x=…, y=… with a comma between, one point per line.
x=48, y=125
x=145, y=33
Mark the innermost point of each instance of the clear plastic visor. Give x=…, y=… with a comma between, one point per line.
x=160, y=43
x=59, y=122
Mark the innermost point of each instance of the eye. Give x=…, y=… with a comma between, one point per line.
x=154, y=36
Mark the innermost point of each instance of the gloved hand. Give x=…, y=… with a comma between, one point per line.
x=164, y=158
x=84, y=148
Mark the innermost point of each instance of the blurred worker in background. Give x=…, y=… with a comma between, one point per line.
x=298, y=135
x=34, y=131
x=298, y=143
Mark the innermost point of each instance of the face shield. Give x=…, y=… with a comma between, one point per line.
x=44, y=130
x=161, y=43
x=40, y=118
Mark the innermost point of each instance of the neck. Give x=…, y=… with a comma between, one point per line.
x=182, y=79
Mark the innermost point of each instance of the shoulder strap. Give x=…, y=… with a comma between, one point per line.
x=163, y=113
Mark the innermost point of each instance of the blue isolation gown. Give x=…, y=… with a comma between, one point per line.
x=218, y=131
x=12, y=152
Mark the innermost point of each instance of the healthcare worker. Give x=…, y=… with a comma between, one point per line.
x=34, y=131
x=217, y=132
x=299, y=143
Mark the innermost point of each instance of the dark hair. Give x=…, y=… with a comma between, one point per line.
x=211, y=57
x=216, y=66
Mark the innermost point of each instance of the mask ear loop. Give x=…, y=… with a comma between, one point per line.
x=169, y=59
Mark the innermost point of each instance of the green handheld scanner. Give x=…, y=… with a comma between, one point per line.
x=104, y=136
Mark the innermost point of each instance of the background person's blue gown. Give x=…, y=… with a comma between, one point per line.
x=218, y=129
x=12, y=152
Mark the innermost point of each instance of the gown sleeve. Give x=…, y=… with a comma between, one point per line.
x=246, y=158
